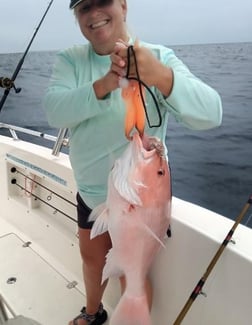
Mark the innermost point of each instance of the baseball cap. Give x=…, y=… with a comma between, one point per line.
x=74, y=3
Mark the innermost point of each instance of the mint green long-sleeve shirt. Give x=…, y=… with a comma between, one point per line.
x=97, y=126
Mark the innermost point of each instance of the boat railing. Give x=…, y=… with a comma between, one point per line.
x=59, y=142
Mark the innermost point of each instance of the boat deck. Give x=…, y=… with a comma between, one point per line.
x=34, y=286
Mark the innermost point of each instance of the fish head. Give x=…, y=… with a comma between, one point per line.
x=143, y=166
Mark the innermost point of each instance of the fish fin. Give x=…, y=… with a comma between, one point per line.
x=131, y=308
x=154, y=235
x=100, y=216
x=111, y=269
x=124, y=188
x=97, y=211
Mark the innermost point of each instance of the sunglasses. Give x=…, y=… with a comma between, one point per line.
x=87, y=5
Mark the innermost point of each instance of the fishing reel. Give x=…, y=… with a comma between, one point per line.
x=7, y=83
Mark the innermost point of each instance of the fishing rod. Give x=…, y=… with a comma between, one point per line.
x=8, y=83
x=198, y=288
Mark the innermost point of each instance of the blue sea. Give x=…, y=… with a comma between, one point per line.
x=211, y=168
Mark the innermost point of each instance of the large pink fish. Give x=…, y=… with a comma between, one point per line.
x=137, y=215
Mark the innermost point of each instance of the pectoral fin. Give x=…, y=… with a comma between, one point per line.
x=100, y=216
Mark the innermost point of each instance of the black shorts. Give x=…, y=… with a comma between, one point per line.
x=83, y=212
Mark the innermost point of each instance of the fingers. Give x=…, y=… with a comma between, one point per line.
x=118, y=64
x=131, y=58
x=143, y=65
x=141, y=62
x=119, y=58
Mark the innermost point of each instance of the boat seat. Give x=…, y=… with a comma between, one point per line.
x=20, y=320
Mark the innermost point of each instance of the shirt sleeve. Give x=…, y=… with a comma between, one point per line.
x=192, y=102
x=67, y=103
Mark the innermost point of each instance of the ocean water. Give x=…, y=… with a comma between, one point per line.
x=211, y=168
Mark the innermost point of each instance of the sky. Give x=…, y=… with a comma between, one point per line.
x=168, y=22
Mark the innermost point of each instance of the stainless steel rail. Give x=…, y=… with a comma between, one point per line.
x=59, y=141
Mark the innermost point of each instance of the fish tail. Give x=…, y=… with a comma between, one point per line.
x=131, y=310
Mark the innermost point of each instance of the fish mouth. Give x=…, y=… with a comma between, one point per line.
x=148, y=146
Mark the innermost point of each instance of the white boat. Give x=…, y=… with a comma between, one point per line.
x=40, y=266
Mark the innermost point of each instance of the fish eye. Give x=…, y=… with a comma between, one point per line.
x=161, y=172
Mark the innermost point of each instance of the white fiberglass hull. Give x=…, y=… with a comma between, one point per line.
x=39, y=250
